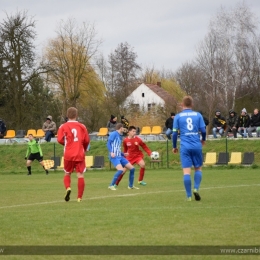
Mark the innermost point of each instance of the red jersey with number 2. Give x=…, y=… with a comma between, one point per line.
x=131, y=146
x=74, y=136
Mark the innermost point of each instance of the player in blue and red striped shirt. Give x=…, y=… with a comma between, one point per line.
x=117, y=157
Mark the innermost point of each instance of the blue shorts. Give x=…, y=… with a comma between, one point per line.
x=119, y=160
x=191, y=157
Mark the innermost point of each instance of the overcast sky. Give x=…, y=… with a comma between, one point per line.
x=163, y=33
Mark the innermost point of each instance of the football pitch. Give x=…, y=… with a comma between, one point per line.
x=34, y=213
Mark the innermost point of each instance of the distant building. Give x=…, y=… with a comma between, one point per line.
x=145, y=96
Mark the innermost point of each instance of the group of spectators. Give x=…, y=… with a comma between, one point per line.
x=242, y=124
x=234, y=123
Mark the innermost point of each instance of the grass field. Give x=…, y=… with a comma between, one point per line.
x=33, y=212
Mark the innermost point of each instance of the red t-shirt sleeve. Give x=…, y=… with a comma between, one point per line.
x=145, y=147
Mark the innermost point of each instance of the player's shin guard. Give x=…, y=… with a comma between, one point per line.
x=197, y=179
x=117, y=174
x=187, y=184
x=131, y=177
x=66, y=181
x=81, y=187
x=141, y=174
x=119, y=179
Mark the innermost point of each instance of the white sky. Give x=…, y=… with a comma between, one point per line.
x=163, y=33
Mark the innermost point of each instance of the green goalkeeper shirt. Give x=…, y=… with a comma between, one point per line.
x=33, y=147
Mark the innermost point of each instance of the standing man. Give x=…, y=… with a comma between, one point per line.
x=111, y=124
x=34, y=152
x=117, y=157
x=74, y=136
x=2, y=128
x=169, y=125
x=133, y=153
x=190, y=124
x=49, y=127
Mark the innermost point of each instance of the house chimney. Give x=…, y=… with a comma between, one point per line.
x=159, y=84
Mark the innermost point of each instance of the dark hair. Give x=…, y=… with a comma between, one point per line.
x=131, y=128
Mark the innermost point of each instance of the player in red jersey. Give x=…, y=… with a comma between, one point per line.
x=74, y=136
x=134, y=155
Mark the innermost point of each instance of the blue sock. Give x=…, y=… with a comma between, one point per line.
x=187, y=184
x=131, y=177
x=117, y=174
x=197, y=179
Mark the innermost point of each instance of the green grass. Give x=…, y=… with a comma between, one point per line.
x=33, y=212
x=12, y=156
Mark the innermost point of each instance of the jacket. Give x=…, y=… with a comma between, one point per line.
x=244, y=121
x=232, y=121
x=125, y=122
x=50, y=127
x=111, y=125
x=2, y=127
x=219, y=122
x=255, y=120
x=169, y=123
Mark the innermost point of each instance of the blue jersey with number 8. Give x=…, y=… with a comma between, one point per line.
x=189, y=123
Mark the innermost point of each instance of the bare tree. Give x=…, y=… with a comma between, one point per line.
x=69, y=56
x=222, y=54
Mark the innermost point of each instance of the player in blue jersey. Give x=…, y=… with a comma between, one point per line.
x=191, y=124
x=117, y=157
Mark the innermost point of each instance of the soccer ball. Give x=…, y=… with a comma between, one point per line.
x=155, y=155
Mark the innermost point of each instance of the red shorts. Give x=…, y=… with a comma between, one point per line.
x=79, y=166
x=135, y=159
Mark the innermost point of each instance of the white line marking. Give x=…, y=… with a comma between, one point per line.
x=126, y=195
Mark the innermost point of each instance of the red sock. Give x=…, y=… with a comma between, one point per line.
x=81, y=186
x=66, y=181
x=141, y=174
x=119, y=179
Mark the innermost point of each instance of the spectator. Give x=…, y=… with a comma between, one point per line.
x=254, y=124
x=243, y=123
x=219, y=124
x=206, y=121
x=125, y=124
x=49, y=127
x=232, y=123
x=111, y=124
x=169, y=125
x=2, y=128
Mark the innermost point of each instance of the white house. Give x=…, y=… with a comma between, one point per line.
x=146, y=96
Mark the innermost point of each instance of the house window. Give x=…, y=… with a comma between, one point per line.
x=142, y=94
x=149, y=106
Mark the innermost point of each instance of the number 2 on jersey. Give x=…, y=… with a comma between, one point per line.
x=74, y=132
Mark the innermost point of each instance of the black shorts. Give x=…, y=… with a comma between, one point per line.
x=35, y=156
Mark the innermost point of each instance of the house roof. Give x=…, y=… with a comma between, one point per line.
x=161, y=92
